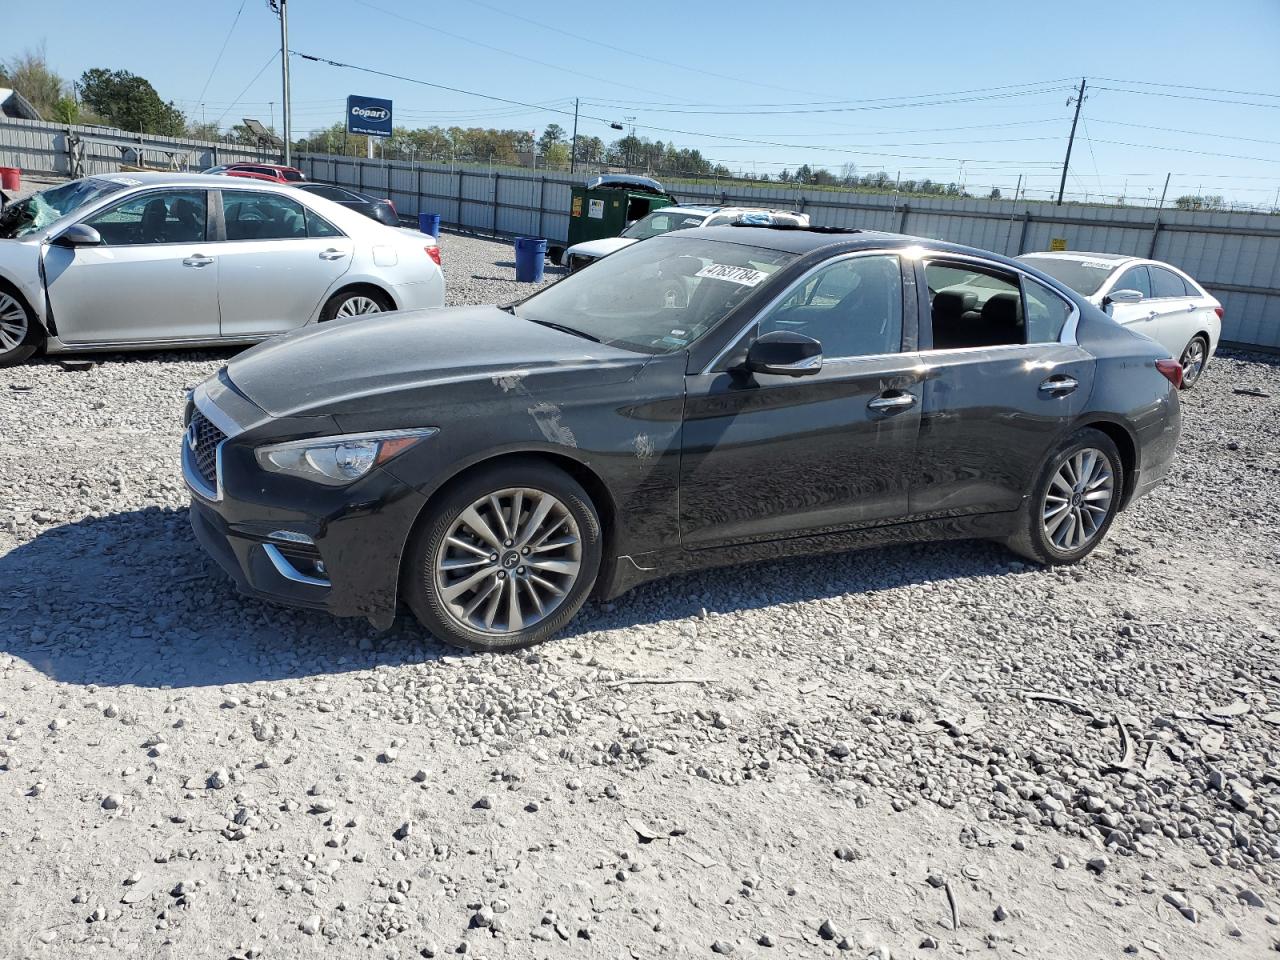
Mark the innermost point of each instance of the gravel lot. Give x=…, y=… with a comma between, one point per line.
x=917, y=751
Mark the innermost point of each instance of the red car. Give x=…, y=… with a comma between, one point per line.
x=259, y=171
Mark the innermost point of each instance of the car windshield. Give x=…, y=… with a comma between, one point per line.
x=41, y=209
x=663, y=221
x=293, y=176
x=1082, y=276
x=655, y=297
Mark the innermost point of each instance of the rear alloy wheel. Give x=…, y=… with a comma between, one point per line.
x=508, y=559
x=354, y=303
x=19, y=333
x=1193, y=361
x=1076, y=497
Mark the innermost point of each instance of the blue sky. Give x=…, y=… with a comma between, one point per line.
x=971, y=91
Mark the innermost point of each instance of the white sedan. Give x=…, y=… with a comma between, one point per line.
x=666, y=219
x=159, y=260
x=1147, y=296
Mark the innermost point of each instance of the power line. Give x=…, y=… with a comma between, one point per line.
x=505, y=52
x=261, y=71
x=760, y=112
x=221, y=50
x=1183, y=86
x=688, y=133
x=1184, y=96
x=1201, y=153
x=1048, y=85
x=1193, y=133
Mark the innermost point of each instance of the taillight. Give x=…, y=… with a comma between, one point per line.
x=1218, y=311
x=1172, y=371
x=392, y=206
x=434, y=254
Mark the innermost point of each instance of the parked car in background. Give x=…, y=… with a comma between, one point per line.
x=1147, y=296
x=149, y=260
x=259, y=171
x=382, y=210
x=491, y=467
x=673, y=218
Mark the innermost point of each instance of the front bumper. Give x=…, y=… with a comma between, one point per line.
x=287, y=540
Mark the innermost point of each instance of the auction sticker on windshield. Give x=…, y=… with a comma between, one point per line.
x=724, y=271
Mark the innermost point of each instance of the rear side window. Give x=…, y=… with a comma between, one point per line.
x=1135, y=278
x=318, y=226
x=1165, y=283
x=331, y=193
x=262, y=216
x=1047, y=312
x=293, y=176
x=973, y=307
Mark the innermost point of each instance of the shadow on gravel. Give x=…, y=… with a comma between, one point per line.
x=130, y=598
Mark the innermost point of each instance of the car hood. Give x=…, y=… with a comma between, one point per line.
x=599, y=248
x=356, y=361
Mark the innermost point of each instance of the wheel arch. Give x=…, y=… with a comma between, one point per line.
x=11, y=288
x=601, y=498
x=362, y=285
x=1125, y=442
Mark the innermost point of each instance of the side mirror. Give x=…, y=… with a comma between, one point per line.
x=1121, y=296
x=786, y=354
x=79, y=235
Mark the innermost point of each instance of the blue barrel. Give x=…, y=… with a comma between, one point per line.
x=531, y=258
x=429, y=223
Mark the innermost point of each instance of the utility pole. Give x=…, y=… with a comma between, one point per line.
x=1165, y=191
x=281, y=7
x=1079, y=100
x=573, y=150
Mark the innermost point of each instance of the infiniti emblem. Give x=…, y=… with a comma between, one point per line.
x=510, y=560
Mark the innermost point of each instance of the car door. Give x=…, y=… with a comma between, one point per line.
x=1138, y=317
x=1176, y=317
x=277, y=262
x=1003, y=382
x=771, y=456
x=153, y=277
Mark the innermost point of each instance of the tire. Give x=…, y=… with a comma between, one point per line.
x=20, y=333
x=358, y=301
x=1194, y=359
x=1076, y=524
x=554, y=254
x=464, y=597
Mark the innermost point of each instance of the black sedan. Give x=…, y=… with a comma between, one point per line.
x=699, y=399
x=384, y=211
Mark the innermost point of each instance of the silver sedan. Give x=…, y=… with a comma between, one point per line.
x=157, y=260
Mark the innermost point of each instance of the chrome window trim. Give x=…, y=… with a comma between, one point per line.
x=763, y=311
x=1068, y=335
x=288, y=570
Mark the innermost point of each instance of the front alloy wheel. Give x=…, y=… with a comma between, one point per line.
x=505, y=558
x=18, y=332
x=508, y=561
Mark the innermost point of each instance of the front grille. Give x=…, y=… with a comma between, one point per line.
x=202, y=440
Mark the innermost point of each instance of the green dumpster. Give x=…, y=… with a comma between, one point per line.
x=604, y=205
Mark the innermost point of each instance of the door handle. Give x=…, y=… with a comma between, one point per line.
x=197, y=260
x=888, y=404
x=1190, y=307
x=332, y=254
x=1153, y=314
x=1059, y=386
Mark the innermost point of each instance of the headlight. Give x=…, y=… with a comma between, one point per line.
x=336, y=461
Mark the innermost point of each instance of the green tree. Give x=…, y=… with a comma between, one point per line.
x=994, y=194
x=552, y=135
x=130, y=102
x=29, y=74
x=556, y=156
x=66, y=110
x=204, y=131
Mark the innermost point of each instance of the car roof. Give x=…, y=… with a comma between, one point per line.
x=801, y=240
x=165, y=179
x=1078, y=256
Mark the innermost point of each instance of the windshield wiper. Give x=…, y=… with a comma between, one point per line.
x=563, y=329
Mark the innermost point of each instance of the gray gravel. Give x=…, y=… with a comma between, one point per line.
x=909, y=751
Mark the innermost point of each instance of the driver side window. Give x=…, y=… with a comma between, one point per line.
x=1135, y=278
x=853, y=307
x=172, y=216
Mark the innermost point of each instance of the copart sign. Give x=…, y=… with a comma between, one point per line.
x=369, y=115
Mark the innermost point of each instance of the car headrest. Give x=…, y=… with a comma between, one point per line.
x=948, y=304
x=1003, y=309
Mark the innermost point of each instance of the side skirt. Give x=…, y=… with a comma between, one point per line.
x=631, y=571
